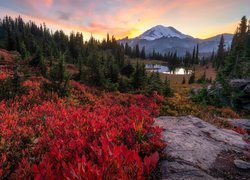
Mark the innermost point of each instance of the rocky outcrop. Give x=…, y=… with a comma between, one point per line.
x=199, y=150
x=243, y=123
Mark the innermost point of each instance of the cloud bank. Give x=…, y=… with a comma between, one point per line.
x=131, y=17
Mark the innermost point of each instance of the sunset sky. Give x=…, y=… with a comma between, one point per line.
x=198, y=18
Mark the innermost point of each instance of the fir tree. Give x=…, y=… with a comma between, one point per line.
x=23, y=51
x=167, y=92
x=128, y=70
x=237, y=62
x=192, y=78
x=184, y=80
x=154, y=83
x=139, y=76
x=197, y=54
x=143, y=55
x=59, y=78
x=193, y=56
x=220, y=59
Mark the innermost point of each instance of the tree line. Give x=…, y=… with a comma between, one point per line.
x=235, y=62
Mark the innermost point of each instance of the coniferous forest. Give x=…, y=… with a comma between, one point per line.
x=97, y=63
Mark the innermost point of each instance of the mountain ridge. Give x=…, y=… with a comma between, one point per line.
x=169, y=39
x=160, y=31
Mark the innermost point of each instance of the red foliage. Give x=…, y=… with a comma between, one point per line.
x=151, y=162
x=3, y=75
x=240, y=130
x=87, y=135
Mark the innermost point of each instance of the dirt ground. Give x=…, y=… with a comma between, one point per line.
x=224, y=166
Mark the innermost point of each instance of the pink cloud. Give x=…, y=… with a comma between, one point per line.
x=119, y=17
x=49, y=3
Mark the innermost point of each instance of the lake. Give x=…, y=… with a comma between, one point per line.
x=165, y=69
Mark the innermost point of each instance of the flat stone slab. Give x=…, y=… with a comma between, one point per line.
x=193, y=147
x=182, y=171
x=243, y=123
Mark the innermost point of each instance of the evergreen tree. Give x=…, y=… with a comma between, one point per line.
x=23, y=51
x=212, y=57
x=193, y=56
x=237, y=62
x=136, y=51
x=220, y=59
x=128, y=70
x=59, y=78
x=139, y=76
x=184, y=80
x=80, y=68
x=143, y=55
x=108, y=40
x=154, y=83
x=167, y=91
x=128, y=50
x=43, y=67
x=192, y=78
x=197, y=55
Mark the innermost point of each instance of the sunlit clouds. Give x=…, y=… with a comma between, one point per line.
x=123, y=18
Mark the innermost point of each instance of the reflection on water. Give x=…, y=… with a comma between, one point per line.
x=165, y=69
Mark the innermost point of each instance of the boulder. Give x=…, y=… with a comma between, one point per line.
x=239, y=83
x=194, y=148
x=247, y=89
x=243, y=92
x=242, y=164
x=246, y=107
x=243, y=123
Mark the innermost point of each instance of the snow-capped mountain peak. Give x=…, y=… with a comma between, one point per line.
x=160, y=31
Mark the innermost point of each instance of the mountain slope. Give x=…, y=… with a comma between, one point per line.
x=168, y=39
x=160, y=31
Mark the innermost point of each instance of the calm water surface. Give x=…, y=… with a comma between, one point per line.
x=166, y=70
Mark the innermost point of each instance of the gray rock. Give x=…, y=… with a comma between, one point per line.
x=181, y=171
x=243, y=123
x=199, y=125
x=239, y=83
x=247, y=89
x=194, y=146
x=246, y=107
x=242, y=164
x=195, y=90
x=246, y=137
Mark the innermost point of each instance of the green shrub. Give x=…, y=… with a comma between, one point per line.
x=10, y=87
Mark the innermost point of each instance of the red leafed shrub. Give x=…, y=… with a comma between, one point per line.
x=87, y=135
x=240, y=130
x=151, y=162
x=3, y=76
